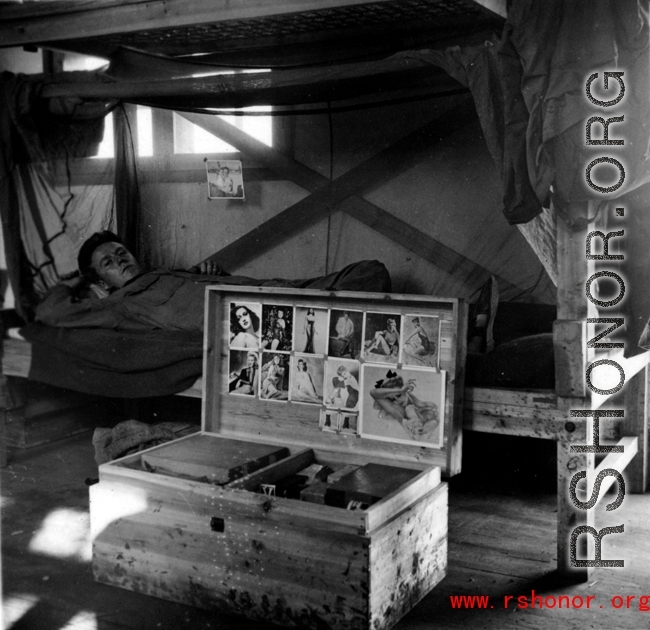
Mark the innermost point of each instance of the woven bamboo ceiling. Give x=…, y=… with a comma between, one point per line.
x=256, y=33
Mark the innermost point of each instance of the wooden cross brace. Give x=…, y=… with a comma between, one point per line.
x=343, y=193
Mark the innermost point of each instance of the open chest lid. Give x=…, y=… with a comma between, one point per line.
x=377, y=376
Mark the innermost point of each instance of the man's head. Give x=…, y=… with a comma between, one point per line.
x=104, y=260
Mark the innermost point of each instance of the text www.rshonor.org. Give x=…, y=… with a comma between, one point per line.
x=534, y=600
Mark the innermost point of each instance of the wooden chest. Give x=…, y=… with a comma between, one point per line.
x=306, y=501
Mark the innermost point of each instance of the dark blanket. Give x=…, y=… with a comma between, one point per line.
x=523, y=357
x=146, y=339
x=123, y=364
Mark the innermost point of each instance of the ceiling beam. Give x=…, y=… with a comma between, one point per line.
x=42, y=22
x=289, y=221
x=280, y=87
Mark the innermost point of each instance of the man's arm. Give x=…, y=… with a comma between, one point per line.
x=63, y=307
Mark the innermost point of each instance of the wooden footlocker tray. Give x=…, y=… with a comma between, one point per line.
x=312, y=496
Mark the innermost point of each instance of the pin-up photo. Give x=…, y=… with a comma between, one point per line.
x=381, y=337
x=245, y=323
x=404, y=405
x=341, y=388
x=243, y=373
x=307, y=379
x=274, y=376
x=421, y=341
x=277, y=327
x=310, y=330
x=345, y=333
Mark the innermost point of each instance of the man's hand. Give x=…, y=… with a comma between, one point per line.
x=98, y=290
x=209, y=267
x=73, y=281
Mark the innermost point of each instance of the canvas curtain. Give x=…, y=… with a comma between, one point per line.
x=45, y=214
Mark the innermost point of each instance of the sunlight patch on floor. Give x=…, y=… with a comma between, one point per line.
x=64, y=533
x=15, y=607
x=83, y=620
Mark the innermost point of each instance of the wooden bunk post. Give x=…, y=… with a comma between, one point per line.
x=3, y=421
x=571, y=356
x=568, y=516
x=636, y=424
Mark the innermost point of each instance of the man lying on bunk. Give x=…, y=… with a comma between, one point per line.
x=114, y=291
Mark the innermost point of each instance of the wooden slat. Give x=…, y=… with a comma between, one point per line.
x=162, y=121
x=543, y=428
x=212, y=458
x=52, y=21
x=274, y=472
x=530, y=399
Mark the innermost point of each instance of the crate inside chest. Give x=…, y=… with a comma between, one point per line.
x=295, y=511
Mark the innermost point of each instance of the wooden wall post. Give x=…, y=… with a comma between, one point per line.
x=635, y=423
x=4, y=401
x=571, y=356
x=570, y=330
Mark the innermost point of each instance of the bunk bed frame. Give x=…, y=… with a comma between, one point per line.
x=542, y=414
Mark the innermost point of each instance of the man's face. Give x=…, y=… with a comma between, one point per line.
x=115, y=264
x=250, y=361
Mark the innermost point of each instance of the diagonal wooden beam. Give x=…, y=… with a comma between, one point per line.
x=385, y=223
x=416, y=241
x=496, y=7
